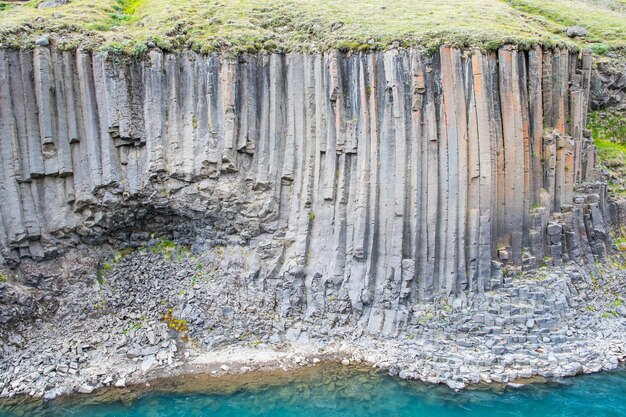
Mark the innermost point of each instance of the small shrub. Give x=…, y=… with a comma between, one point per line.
x=100, y=278
x=169, y=250
x=180, y=325
x=599, y=48
x=114, y=48
x=3, y=278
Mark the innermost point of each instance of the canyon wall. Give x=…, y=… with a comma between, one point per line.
x=391, y=176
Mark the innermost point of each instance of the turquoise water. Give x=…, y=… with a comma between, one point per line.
x=334, y=392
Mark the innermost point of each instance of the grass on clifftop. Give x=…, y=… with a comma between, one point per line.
x=306, y=25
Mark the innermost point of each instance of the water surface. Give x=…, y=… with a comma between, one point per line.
x=336, y=391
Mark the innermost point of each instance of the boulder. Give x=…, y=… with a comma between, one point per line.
x=576, y=32
x=85, y=389
x=52, y=3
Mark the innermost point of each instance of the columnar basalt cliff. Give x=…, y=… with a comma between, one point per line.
x=390, y=177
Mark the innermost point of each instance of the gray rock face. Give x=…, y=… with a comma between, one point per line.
x=608, y=86
x=386, y=177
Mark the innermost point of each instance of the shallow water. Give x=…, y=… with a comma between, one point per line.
x=335, y=391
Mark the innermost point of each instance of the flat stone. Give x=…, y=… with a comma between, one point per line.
x=86, y=389
x=148, y=364
x=48, y=369
x=133, y=353
x=455, y=385
x=152, y=350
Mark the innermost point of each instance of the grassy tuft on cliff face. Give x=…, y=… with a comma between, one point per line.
x=609, y=135
x=312, y=25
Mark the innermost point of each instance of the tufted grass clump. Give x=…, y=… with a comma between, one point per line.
x=170, y=250
x=619, y=238
x=132, y=326
x=600, y=48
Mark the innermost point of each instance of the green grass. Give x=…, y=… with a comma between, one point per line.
x=170, y=250
x=608, y=126
x=610, y=151
x=237, y=26
x=609, y=135
x=612, y=156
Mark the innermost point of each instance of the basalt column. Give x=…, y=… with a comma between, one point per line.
x=387, y=177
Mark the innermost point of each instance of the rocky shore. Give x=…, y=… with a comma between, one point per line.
x=172, y=310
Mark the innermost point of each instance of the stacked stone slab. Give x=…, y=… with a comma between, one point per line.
x=389, y=176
